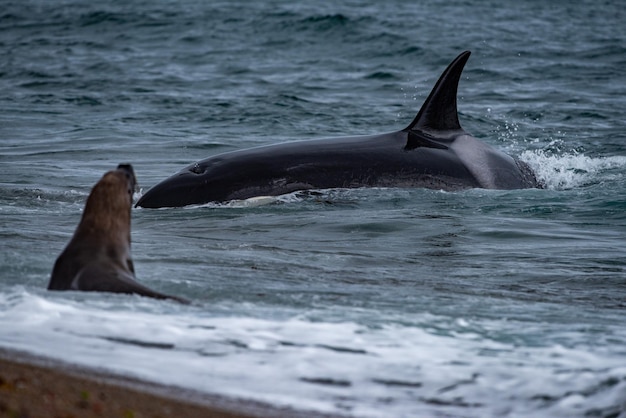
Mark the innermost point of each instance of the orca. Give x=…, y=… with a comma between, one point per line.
x=433, y=152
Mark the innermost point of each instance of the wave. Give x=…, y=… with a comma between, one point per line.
x=409, y=369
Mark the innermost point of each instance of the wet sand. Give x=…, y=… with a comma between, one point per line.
x=36, y=387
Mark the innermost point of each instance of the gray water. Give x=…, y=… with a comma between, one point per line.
x=366, y=302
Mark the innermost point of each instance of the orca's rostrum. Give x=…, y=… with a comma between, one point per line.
x=432, y=152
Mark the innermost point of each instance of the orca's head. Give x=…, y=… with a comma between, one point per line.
x=211, y=180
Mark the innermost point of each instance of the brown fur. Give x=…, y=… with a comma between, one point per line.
x=97, y=257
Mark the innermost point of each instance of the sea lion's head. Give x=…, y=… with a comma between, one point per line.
x=130, y=176
x=107, y=210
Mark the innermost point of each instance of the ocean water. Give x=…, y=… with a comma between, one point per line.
x=365, y=302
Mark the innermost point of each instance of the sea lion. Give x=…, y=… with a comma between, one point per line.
x=97, y=257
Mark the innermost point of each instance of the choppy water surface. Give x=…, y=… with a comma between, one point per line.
x=369, y=302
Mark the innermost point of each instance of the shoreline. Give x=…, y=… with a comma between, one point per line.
x=33, y=386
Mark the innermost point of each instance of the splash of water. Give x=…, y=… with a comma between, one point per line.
x=571, y=170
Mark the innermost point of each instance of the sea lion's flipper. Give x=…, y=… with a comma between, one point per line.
x=102, y=278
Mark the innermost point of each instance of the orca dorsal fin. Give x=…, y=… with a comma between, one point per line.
x=439, y=112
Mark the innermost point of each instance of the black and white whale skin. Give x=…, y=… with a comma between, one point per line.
x=432, y=152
